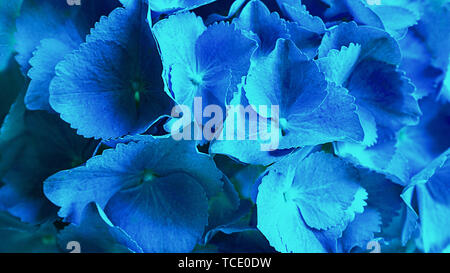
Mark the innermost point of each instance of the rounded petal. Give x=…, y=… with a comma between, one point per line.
x=168, y=214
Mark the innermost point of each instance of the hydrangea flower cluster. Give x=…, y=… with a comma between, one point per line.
x=87, y=146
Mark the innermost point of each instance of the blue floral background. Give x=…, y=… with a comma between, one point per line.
x=87, y=88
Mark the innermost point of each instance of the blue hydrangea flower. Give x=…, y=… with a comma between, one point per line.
x=19, y=237
x=296, y=12
x=42, y=71
x=267, y=28
x=30, y=155
x=357, y=155
x=302, y=208
x=114, y=79
x=205, y=62
x=96, y=234
x=383, y=195
x=42, y=43
x=384, y=96
x=429, y=190
x=247, y=148
x=62, y=22
x=288, y=79
x=155, y=190
x=360, y=231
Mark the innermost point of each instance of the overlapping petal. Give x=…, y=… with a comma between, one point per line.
x=311, y=111
x=114, y=79
x=146, y=188
x=431, y=190
x=298, y=203
x=207, y=62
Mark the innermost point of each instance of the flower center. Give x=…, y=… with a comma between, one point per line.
x=196, y=79
x=148, y=176
x=283, y=126
x=138, y=88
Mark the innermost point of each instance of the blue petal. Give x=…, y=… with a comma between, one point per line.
x=286, y=78
x=434, y=29
x=396, y=19
x=376, y=44
x=113, y=79
x=433, y=201
x=361, y=230
x=12, y=127
x=378, y=157
x=68, y=24
x=234, y=9
x=224, y=206
x=187, y=27
x=393, y=16
x=312, y=112
x=125, y=167
x=247, y=147
x=335, y=119
x=246, y=178
x=223, y=47
x=384, y=96
x=49, y=42
x=416, y=63
x=165, y=6
x=268, y=27
x=427, y=139
x=339, y=64
x=445, y=91
x=208, y=63
x=248, y=241
x=307, y=41
x=383, y=195
x=295, y=11
x=168, y=214
x=19, y=237
x=386, y=93
x=300, y=204
x=34, y=154
x=357, y=9
x=42, y=71
x=369, y=71
x=96, y=234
